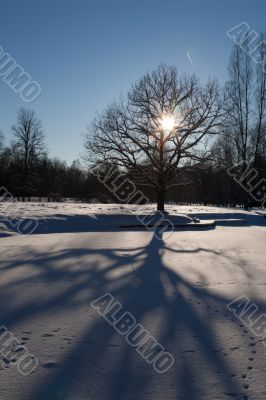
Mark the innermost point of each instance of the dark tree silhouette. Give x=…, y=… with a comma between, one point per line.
x=2, y=139
x=29, y=145
x=159, y=130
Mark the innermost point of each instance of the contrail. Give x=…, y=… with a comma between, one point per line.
x=188, y=56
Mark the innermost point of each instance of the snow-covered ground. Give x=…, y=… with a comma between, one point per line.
x=178, y=288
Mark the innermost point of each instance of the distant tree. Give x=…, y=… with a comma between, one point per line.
x=29, y=144
x=239, y=102
x=243, y=136
x=2, y=174
x=53, y=173
x=2, y=141
x=75, y=176
x=260, y=102
x=159, y=131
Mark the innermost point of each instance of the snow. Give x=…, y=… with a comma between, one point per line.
x=178, y=288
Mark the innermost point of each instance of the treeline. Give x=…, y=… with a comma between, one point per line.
x=55, y=180
x=49, y=179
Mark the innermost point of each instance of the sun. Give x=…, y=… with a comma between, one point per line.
x=167, y=123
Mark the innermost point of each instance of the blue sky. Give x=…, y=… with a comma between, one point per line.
x=85, y=53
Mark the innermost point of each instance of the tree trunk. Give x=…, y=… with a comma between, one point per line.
x=161, y=183
x=160, y=200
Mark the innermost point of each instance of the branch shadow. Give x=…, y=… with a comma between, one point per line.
x=101, y=364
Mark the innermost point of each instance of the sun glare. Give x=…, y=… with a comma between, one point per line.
x=168, y=123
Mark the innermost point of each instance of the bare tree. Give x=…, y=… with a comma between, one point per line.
x=29, y=144
x=239, y=106
x=246, y=107
x=260, y=97
x=159, y=130
x=2, y=140
x=243, y=137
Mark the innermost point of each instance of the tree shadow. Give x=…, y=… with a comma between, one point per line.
x=100, y=364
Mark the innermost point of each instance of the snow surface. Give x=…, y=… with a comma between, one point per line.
x=177, y=287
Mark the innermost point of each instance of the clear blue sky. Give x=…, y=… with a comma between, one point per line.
x=85, y=53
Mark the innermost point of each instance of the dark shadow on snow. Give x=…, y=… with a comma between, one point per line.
x=61, y=223
x=108, y=367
